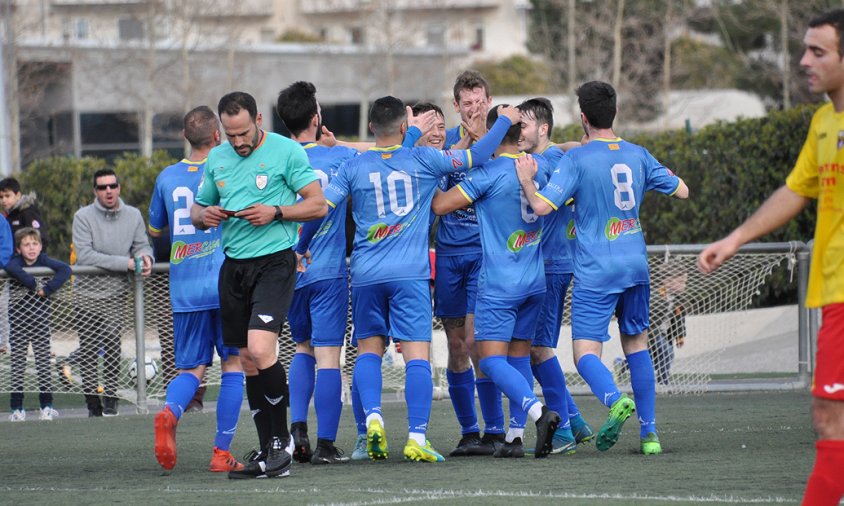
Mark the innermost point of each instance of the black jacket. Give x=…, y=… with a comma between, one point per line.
x=26, y=214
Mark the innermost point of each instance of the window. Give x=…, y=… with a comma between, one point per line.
x=107, y=135
x=341, y=119
x=436, y=35
x=130, y=29
x=356, y=34
x=77, y=29
x=167, y=133
x=478, y=43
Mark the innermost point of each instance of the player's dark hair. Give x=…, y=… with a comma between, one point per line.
x=233, y=102
x=297, y=105
x=422, y=107
x=835, y=19
x=386, y=116
x=200, y=125
x=597, y=101
x=103, y=173
x=513, y=133
x=541, y=110
x=25, y=232
x=10, y=184
x=469, y=80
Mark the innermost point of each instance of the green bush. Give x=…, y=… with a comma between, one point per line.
x=64, y=184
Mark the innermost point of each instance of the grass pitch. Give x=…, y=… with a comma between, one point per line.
x=741, y=448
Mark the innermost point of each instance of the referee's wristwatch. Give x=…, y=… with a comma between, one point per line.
x=279, y=216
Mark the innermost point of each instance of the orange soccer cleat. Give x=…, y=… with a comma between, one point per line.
x=222, y=462
x=165, y=438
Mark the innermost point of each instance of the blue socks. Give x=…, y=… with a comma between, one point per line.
x=518, y=413
x=328, y=403
x=228, y=408
x=357, y=409
x=418, y=390
x=574, y=411
x=489, y=397
x=549, y=374
x=180, y=392
x=367, y=377
x=302, y=377
x=461, y=389
x=599, y=379
x=644, y=390
x=510, y=381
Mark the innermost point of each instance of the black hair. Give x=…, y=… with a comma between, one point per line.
x=425, y=107
x=386, y=116
x=513, y=133
x=297, y=105
x=233, y=102
x=541, y=109
x=199, y=125
x=104, y=172
x=10, y=184
x=597, y=101
x=469, y=80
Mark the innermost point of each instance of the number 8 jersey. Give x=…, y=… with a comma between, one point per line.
x=195, y=255
x=608, y=179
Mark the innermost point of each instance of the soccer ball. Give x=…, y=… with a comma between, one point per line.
x=150, y=369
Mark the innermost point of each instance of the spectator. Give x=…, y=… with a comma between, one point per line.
x=108, y=234
x=6, y=242
x=30, y=320
x=21, y=210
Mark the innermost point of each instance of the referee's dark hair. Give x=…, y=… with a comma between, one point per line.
x=233, y=102
x=200, y=125
x=513, y=133
x=386, y=116
x=597, y=101
x=297, y=105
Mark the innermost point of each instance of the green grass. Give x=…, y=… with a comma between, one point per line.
x=719, y=449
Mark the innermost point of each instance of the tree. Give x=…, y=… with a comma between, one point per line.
x=516, y=75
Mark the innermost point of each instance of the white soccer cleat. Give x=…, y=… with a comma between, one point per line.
x=47, y=413
x=17, y=415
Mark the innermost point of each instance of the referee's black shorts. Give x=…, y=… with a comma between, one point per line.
x=255, y=293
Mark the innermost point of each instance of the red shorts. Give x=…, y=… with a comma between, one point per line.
x=828, y=382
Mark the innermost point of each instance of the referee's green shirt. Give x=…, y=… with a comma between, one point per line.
x=271, y=175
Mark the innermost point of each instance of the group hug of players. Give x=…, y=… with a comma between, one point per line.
x=506, y=253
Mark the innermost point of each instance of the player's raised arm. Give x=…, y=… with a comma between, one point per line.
x=783, y=205
x=452, y=200
x=526, y=169
x=486, y=146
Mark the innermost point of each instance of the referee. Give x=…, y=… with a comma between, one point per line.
x=250, y=187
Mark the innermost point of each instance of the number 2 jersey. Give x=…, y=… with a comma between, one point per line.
x=195, y=255
x=608, y=179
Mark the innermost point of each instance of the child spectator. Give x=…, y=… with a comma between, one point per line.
x=29, y=319
x=21, y=210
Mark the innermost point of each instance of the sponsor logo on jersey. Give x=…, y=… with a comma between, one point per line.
x=181, y=250
x=381, y=231
x=616, y=227
x=519, y=239
x=323, y=229
x=261, y=181
x=570, y=232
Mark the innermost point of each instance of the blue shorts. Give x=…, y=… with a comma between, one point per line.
x=551, y=316
x=397, y=309
x=196, y=335
x=319, y=312
x=503, y=320
x=591, y=312
x=456, y=285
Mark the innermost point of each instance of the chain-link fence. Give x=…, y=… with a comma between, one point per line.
x=86, y=337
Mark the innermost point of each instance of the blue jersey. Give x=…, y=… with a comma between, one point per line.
x=195, y=255
x=510, y=232
x=608, y=179
x=453, y=136
x=391, y=191
x=328, y=245
x=457, y=233
x=558, y=228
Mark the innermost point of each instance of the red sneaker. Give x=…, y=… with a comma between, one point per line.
x=223, y=462
x=165, y=438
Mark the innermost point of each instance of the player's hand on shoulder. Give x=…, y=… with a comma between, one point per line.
x=512, y=113
x=526, y=168
x=327, y=139
x=258, y=214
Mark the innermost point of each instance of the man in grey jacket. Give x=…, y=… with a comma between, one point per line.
x=107, y=234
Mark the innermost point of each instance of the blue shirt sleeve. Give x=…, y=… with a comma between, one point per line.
x=411, y=137
x=486, y=145
x=157, y=210
x=659, y=177
x=309, y=229
x=338, y=189
x=561, y=185
x=474, y=186
x=15, y=269
x=61, y=269
x=6, y=242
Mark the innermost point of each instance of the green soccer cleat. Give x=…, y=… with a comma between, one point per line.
x=360, y=453
x=581, y=430
x=376, y=441
x=619, y=413
x=412, y=451
x=650, y=444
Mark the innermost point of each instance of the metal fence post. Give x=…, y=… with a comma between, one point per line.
x=140, y=343
x=803, y=318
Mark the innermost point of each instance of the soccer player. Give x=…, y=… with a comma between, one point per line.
x=250, y=186
x=435, y=138
x=558, y=256
x=391, y=188
x=195, y=261
x=457, y=264
x=816, y=175
x=320, y=304
x=511, y=287
x=608, y=178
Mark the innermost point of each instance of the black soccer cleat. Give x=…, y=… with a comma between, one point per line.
x=327, y=453
x=471, y=445
x=514, y=450
x=278, y=459
x=545, y=427
x=493, y=442
x=301, y=443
